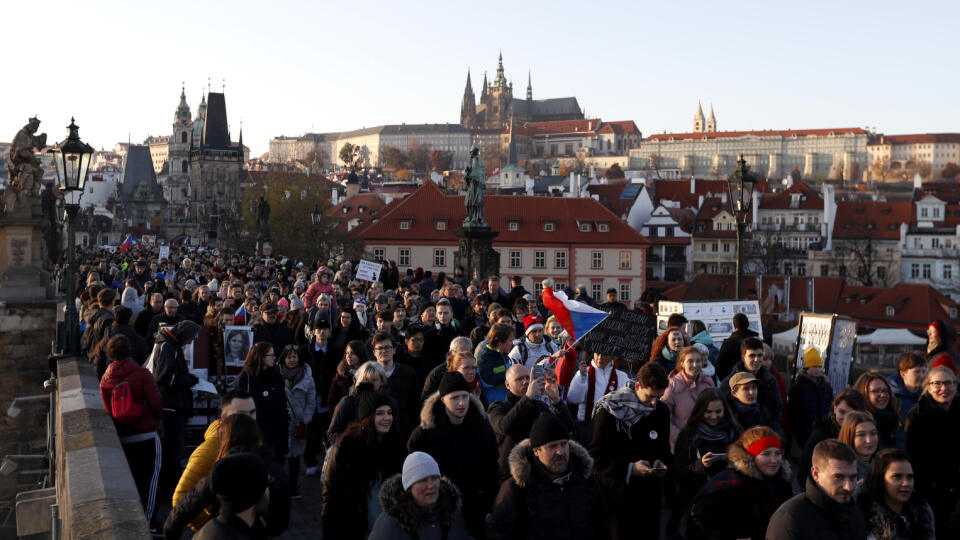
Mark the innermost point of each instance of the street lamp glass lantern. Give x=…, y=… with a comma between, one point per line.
x=316, y=216
x=71, y=158
x=741, y=183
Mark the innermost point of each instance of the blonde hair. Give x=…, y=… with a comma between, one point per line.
x=370, y=370
x=939, y=369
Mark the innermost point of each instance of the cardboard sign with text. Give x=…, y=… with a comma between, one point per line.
x=368, y=270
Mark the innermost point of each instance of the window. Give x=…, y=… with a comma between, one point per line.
x=726, y=247
x=624, y=292
x=926, y=271
x=584, y=227
x=183, y=136
x=703, y=247
x=513, y=226
x=441, y=224
x=842, y=271
x=787, y=269
x=378, y=254
x=439, y=258
x=515, y=258
x=547, y=226
x=936, y=212
x=404, y=257
x=603, y=227
x=404, y=224
x=713, y=247
x=595, y=290
x=948, y=271
x=183, y=166
x=539, y=259
x=914, y=270
x=881, y=272
x=923, y=212
x=624, y=260
x=596, y=260
x=537, y=287
x=801, y=269
x=890, y=311
x=561, y=259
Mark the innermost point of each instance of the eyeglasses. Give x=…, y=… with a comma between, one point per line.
x=383, y=348
x=942, y=384
x=879, y=391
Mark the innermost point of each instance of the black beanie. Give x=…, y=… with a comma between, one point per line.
x=369, y=401
x=239, y=480
x=453, y=381
x=546, y=429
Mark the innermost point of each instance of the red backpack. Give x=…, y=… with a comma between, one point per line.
x=123, y=408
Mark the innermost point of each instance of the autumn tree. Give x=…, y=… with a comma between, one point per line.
x=292, y=198
x=346, y=154
x=394, y=158
x=419, y=158
x=950, y=171
x=312, y=156
x=614, y=172
x=441, y=160
x=795, y=174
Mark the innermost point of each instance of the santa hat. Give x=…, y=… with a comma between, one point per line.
x=532, y=322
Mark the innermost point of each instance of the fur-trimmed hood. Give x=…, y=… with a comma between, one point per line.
x=521, y=464
x=432, y=407
x=399, y=505
x=741, y=461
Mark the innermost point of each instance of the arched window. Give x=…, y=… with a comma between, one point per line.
x=183, y=166
x=183, y=137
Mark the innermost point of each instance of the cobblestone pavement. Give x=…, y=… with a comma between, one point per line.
x=305, y=512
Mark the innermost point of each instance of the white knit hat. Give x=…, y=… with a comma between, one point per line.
x=416, y=467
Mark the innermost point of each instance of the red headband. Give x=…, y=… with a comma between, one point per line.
x=767, y=442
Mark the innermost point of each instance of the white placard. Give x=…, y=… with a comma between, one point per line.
x=717, y=316
x=368, y=270
x=163, y=253
x=237, y=342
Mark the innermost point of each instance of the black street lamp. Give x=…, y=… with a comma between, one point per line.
x=741, y=183
x=71, y=157
x=316, y=218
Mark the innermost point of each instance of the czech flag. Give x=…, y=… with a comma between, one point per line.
x=240, y=317
x=575, y=317
x=128, y=243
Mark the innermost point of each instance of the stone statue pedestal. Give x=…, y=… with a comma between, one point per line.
x=22, y=272
x=476, y=253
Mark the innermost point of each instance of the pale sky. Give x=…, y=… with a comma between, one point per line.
x=298, y=66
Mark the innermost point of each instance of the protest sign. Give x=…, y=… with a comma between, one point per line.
x=163, y=253
x=716, y=316
x=368, y=270
x=625, y=334
x=833, y=336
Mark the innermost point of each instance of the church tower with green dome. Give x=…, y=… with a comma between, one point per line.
x=176, y=185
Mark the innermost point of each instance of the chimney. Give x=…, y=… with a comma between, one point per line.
x=700, y=201
x=693, y=185
x=334, y=197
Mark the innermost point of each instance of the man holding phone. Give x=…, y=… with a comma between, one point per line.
x=513, y=418
x=630, y=446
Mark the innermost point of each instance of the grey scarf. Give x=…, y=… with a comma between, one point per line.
x=624, y=405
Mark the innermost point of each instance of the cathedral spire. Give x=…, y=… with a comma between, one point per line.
x=500, y=80
x=529, y=87
x=711, y=121
x=698, y=121
x=469, y=85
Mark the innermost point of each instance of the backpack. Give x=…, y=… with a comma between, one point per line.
x=123, y=408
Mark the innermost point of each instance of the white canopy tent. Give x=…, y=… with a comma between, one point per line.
x=786, y=341
x=890, y=336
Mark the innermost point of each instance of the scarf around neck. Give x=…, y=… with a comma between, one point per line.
x=722, y=432
x=291, y=376
x=625, y=407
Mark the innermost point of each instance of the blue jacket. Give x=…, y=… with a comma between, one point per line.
x=493, y=373
x=906, y=400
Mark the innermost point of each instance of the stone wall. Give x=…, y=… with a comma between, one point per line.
x=96, y=493
x=27, y=330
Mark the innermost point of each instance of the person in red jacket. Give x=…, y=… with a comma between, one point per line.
x=138, y=437
x=941, y=337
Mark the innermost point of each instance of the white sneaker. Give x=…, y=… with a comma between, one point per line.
x=311, y=471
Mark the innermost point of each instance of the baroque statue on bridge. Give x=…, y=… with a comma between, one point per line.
x=26, y=172
x=475, y=178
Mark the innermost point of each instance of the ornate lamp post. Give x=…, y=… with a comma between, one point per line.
x=72, y=159
x=741, y=183
x=316, y=218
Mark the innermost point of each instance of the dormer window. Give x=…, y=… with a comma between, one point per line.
x=603, y=227
x=513, y=226
x=953, y=313
x=346, y=209
x=440, y=224
x=404, y=224
x=548, y=226
x=361, y=209
x=890, y=311
x=584, y=227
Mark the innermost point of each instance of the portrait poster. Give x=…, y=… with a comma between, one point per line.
x=237, y=341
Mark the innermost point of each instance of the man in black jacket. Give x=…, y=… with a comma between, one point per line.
x=268, y=329
x=401, y=379
x=513, y=418
x=730, y=350
x=826, y=510
x=552, y=492
x=768, y=389
x=169, y=316
x=630, y=446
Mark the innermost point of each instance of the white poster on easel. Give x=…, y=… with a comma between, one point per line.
x=368, y=270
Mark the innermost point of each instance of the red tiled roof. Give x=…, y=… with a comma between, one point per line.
x=623, y=127
x=915, y=305
x=947, y=190
x=879, y=219
x=824, y=291
x=430, y=203
x=684, y=217
x=809, y=199
x=369, y=201
x=564, y=126
x=764, y=133
x=679, y=190
x=915, y=138
x=609, y=196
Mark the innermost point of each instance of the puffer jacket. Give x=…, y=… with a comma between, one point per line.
x=301, y=404
x=533, y=505
x=201, y=461
x=132, y=300
x=738, y=502
x=680, y=396
x=814, y=514
x=402, y=519
x=143, y=390
x=170, y=368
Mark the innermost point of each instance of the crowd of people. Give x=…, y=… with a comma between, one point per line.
x=436, y=406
